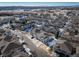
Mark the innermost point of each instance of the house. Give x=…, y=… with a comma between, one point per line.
x=50, y=42
x=8, y=38
x=77, y=50
x=2, y=31
x=64, y=49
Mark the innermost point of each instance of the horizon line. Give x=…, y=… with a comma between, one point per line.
x=39, y=3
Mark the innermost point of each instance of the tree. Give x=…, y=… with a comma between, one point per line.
x=57, y=35
x=76, y=32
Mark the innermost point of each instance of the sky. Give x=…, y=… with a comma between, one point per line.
x=39, y=3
